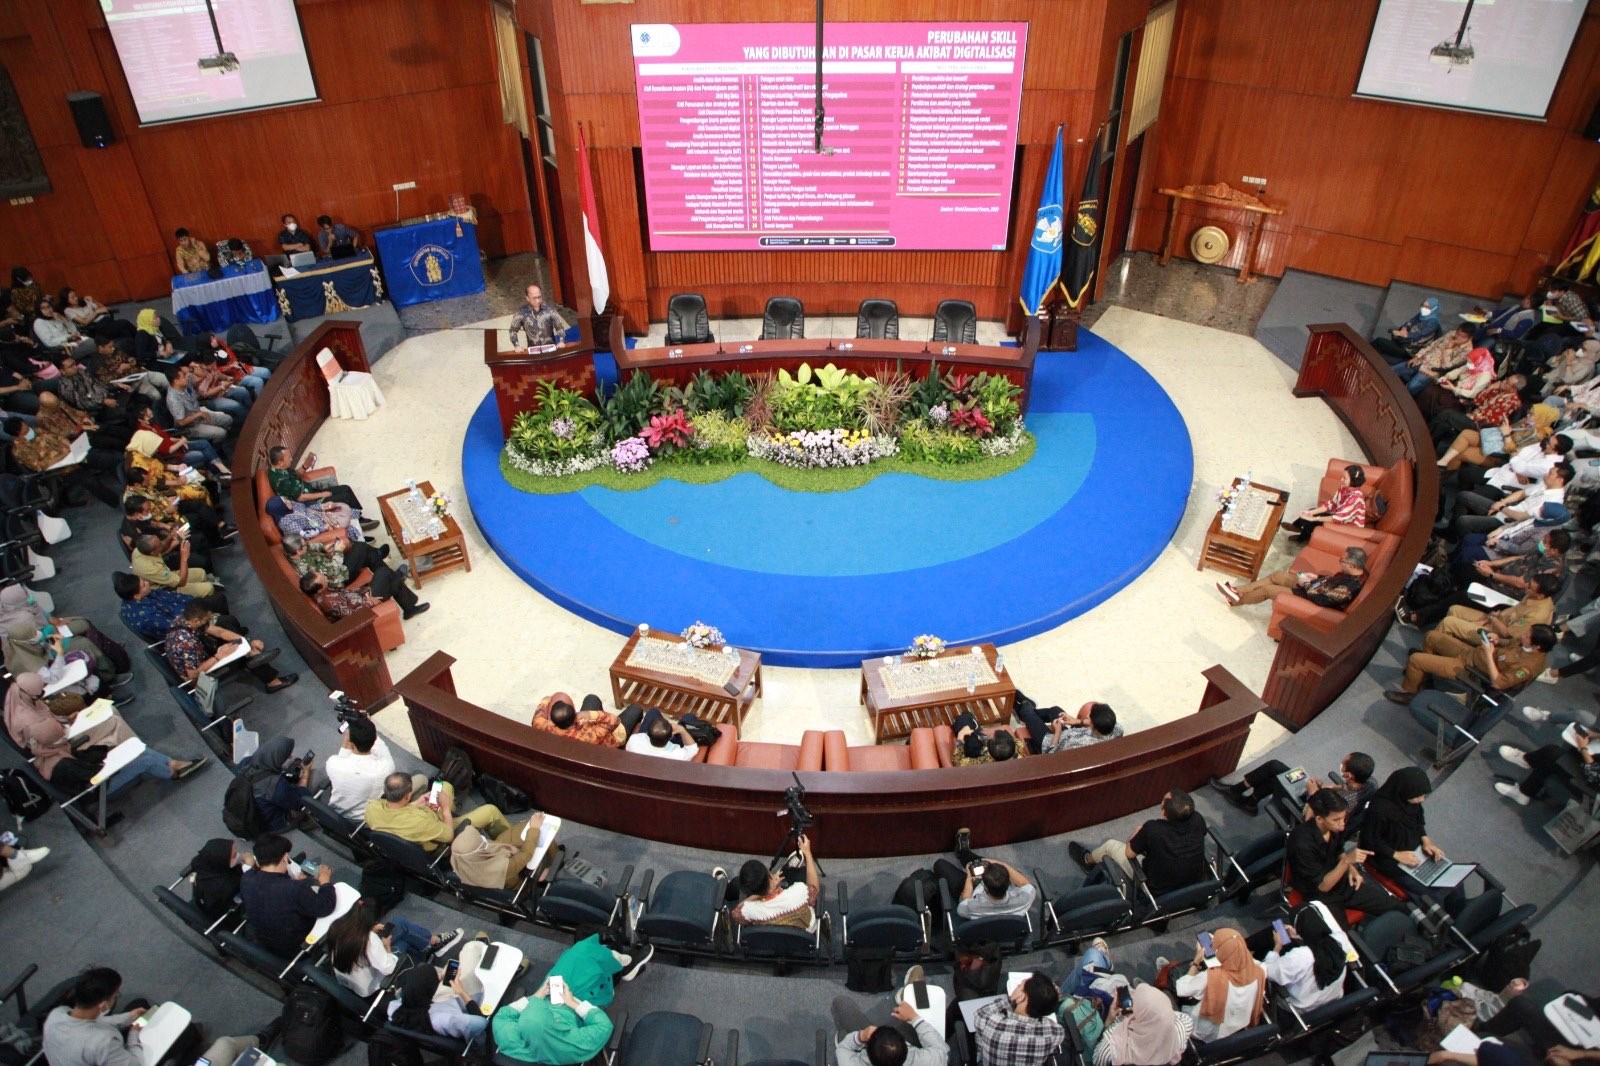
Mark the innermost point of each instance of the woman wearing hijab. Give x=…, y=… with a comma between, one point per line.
x=218, y=871
x=1310, y=965
x=533, y=1029
x=1467, y=446
x=421, y=1005
x=364, y=950
x=1494, y=405
x=1457, y=390
x=19, y=606
x=28, y=650
x=148, y=343
x=44, y=736
x=154, y=451
x=1396, y=830
x=500, y=863
x=1151, y=1034
x=1411, y=334
x=277, y=796
x=1227, y=997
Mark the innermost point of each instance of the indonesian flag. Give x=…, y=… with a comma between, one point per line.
x=599, y=280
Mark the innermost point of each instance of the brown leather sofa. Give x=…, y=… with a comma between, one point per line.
x=1379, y=539
x=387, y=622
x=921, y=752
x=729, y=750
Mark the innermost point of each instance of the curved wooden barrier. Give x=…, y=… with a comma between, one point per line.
x=345, y=654
x=1313, y=667
x=734, y=809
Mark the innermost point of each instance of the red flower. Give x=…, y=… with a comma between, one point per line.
x=672, y=431
x=972, y=420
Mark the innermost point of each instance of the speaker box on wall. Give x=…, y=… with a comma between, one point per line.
x=89, y=114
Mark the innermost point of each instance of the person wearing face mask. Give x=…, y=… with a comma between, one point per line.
x=24, y=292
x=1406, y=339
x=291, y=239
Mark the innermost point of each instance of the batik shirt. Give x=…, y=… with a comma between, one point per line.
x=329, y=564
x=151, y=617
x=303, y=520
x=544, y=326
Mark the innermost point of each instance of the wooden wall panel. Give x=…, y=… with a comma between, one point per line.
x=407, y=93
x=1374, y=190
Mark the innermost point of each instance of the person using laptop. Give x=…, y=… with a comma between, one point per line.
x=292, y=239
x=335, y=240
x=1396, y=832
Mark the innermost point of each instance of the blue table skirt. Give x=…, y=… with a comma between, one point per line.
x=205, y=304
x=332, y=286
x=430, y=260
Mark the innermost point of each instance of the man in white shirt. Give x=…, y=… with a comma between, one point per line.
x=1484, y=512
x=662, y=738
x=1530, y=464
x=356, y=771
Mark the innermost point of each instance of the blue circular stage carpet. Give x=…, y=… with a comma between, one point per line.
x=828, y=579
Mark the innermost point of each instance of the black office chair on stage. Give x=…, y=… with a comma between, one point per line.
x=784, y=319
x=687, y=321
x=955, y=322
x=878, y=319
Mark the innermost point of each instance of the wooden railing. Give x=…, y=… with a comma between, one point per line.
x=1313, y=667
x=732, y=809
x=291, y=408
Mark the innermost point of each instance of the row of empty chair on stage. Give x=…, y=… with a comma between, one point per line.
x=954, y=321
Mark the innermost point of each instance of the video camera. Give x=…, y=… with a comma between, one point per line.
x=344, y=708
x=794, y=800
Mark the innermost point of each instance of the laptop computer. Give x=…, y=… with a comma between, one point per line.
x=301, y=260
x=1292, y=785
x=1442, y=873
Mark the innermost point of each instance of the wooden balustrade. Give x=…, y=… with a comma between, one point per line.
x=1313, y=667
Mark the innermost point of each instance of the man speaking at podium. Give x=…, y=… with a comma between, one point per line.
x=539, y=323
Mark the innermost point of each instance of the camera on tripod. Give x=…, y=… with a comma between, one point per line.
x=344, y=708
x=794, y=801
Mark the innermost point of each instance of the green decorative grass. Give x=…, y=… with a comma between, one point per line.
x=832, y=479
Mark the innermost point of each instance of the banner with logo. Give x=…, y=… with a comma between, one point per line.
x=427, y=261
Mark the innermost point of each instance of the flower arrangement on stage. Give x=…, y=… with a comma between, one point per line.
x=926, y=646
x=814, y=419
x=701, y=635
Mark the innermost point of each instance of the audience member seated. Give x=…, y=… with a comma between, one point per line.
x=77, y=386
x=38, y=451
x=365, y=950
x=1526, y=1014
x=25, y=292
x=1310, y=966
x=29, y=648
x=1396, y=833
x=281, y=904
x=769, y=901
x=219, y=391
x=1467, y=447
x=150, y=612
x=1573, y=365
x=1507, y=665
x=306, y=486
x=212, y=530
x=1354, y=786
x=19, y=606
x=150, y=345
x=424, y=820
x=357, y=566
x=197, y=641
x=17, y=863
x=218, y=870
x=321, y=523
x=1572, y=319
x=419, y=1008
x=1171, y=849
x=973, y=746
x=1409, y=336
x=499, y=863
x=1506, y=324
x=659, y=736
x=83, y=1031
x=1437, y=359
x=191, y=254
x=279, y=782
x=592, y=725
x=335, y=240
x=1544, y=763
x=139, y=520
x=1457, y=633
x=907, y=1039
x=1494, y=405
x=356, y=771
x=57, y=334
x=1460, y=389
x=341, y=603
x=1151, y=1034
x=535, y=1029
x=1337, y=591
x=71, y=764
x=1511, y=570
x=1347, y=507
x=1020, y=1029
x=160, y=454
x=1222, y=999
x=1004, y=888
x=244, y=375
x=233, y=251
x=192, y=414
x=1321, y=869
x=1488, y=508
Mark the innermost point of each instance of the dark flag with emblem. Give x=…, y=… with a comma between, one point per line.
x=1582, y=255
x=1083, y=241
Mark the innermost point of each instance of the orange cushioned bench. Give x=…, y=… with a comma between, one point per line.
x=386, y=615
x=729, y=750
x=921, y=753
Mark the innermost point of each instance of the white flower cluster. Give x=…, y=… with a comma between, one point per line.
x=1006, y=445
x=821, y=448
x=578, y=464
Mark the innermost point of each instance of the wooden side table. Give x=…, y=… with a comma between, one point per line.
x=447, y=551
x=891, y=718
x=1242, y=556
x=675, y=695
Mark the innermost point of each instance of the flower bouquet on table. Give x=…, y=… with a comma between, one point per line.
x=701, y=635
x=927, y=646
x=440, y=503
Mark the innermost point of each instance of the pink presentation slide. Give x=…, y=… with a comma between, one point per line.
x=920, y=133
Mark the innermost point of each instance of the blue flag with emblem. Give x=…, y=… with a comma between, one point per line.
x=1044, y=250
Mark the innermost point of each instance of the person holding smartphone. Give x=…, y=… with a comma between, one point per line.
x=87, y=1030
x=1143, y=1029
x=1308, y=959
x=1223, y=998
x=364, y=950
x=281, y=908
x=1020, y=1029
x=539, y=1029
x=1546, y=762
x=907, y=1039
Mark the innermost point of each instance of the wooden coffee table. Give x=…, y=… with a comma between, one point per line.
x=1242, y=556
x=676, y=694
x=891, y=718
x=445, y=552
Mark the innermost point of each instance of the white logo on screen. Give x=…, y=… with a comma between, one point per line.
x=656, y=40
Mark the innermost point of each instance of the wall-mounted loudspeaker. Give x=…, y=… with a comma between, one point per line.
x=89, y=115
